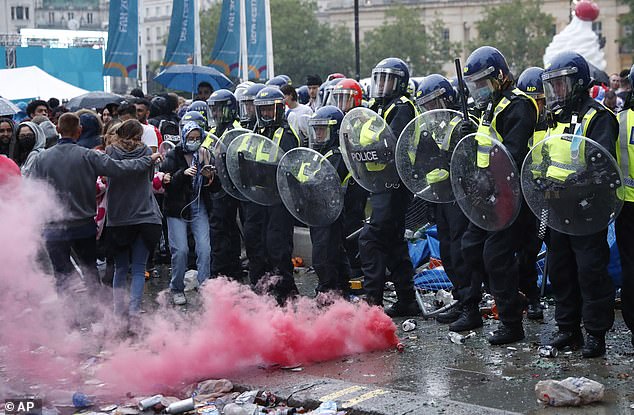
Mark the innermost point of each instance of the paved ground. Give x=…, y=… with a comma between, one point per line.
x=434, y=375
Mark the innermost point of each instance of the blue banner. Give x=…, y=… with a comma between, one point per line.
x=226, y=53
x=256, y=38
x=78, y=66
x=181, y=39
x=123, y=39
x=3, y=57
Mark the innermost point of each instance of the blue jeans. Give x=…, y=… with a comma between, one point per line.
x=138, y=255
x=177, y=233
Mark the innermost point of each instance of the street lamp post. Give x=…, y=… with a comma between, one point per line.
x=357, y=53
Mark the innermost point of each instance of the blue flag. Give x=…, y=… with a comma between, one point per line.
x=123, y=30
x=226, y=53
x=181, y=40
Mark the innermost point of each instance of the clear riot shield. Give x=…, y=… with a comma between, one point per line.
x=486, y=182
x=310, y=187
x=572, y=184
x=423, y=153
x=252, y=161
x=367, y=144
x=220, y=152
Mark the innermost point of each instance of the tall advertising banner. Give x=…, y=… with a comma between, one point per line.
x=123, y=38
x=181, y=39
x=226, y=52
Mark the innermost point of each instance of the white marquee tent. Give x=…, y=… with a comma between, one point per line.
x=32, y=82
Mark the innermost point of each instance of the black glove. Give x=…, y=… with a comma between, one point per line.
x=466, y=128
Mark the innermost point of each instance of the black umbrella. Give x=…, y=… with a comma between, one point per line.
x=94, y=100
x=599, y=76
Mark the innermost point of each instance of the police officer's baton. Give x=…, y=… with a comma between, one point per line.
x=461, y=90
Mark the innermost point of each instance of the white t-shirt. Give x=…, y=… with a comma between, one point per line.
x=149, y=137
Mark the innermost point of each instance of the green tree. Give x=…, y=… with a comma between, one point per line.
x=301, y=44
x=518, y=29
x=403, y=36
x=627, y=21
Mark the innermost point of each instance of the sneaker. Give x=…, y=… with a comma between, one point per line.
x=178, y=298
x=506, y=334
x=594, y=346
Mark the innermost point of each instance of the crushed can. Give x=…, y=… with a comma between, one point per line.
x=547, y=351
x=148, y=403
x=409, y=325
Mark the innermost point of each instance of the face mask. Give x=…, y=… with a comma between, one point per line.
x=27, y=143
x=192, y=146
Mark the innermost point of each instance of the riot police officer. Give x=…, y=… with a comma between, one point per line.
x=625, y=221
x=329, y=254
x=271, y=123
x=578, y=265
x=226, y=234
x=381, y=242
x=435, y=92
x=346, y=95
x=530, y=82
x=245, y=99
x=509, y=116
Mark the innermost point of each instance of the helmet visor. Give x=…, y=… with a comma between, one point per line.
x=480, y=90
x=432, y=101
x=343, y=99
x=319, y=132
x=558, y=87
x=267, y=112
x=247, y=110
x=384, y=83
x=220, y=112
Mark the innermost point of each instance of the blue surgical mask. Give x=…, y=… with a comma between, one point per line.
x=192, y=146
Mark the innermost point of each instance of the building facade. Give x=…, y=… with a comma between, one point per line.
x=460, y=17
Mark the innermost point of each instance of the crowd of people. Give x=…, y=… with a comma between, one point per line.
x=183, y=206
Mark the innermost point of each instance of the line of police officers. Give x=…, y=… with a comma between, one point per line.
x=542, y=103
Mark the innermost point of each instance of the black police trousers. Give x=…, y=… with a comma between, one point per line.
x=354, y=217
x=226, y=247
x=279, y=243
x=452, y=224
x=382, y=245
x=625, y=242
x=583, y=290
x=527, y=256
x=495, y=255
x=329, y=257
x=254, y=226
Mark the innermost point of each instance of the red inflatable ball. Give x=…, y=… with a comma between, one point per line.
x=587, y=10
x=8, y=169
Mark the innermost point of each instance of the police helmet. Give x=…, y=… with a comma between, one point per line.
x=302, y=95
x=223, y=107
x=269, y=107
x=566, y=78
x=330, y=86
x=159, y=106
x=245, y=103
x=435, y=92
x=485, y=73
x=630, y=77
x=323, y=127
x=390, y=79
x=202, y=108
x=194, y=116
x=347, y=94
x=278, y=81
x=530, y=82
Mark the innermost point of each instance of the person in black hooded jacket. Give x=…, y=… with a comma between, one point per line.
x=7, y=137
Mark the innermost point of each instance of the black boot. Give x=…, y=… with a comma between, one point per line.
x=399, y=309
x=594, y=346
x=567, y=339
x=469, y=319
x=506, y=333
x=534, y=311
x=450, y=315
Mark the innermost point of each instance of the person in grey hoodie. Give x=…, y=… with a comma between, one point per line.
x=133, y=218
x=31, y=142
x=72, y=171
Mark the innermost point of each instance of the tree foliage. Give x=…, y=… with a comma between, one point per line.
x=627, y=21
x=301, y=44
x=403, y=36
x=518, y=29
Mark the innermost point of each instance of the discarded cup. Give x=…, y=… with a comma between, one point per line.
x=148, y=403
x=181, y=406
x=81, y=400
x=458, y=338
x=400, y=347
x=409, y=325
x=547, y=351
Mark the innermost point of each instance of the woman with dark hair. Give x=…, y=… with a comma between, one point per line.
x=133, y=218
